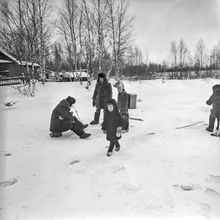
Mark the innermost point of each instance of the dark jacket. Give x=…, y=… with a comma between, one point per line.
x=63, y=110
x=111, y=121
x=102, y=93
x=122, y=101
x=215, y=101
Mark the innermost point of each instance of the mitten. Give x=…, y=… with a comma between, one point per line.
x=118, y=132
x=61, y=118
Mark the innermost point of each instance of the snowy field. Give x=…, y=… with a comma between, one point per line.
x=160, y=173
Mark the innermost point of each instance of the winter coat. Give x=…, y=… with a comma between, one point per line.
x=102, y=93
x=61, y=125
x=122, y=101
x=215, y=101
x=112, y=120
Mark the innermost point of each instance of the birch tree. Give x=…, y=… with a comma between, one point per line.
x=200, y=54
x=120, y=25
x=182, y=53
x=174, y=52
x=99, y=19
x=69, y=27
x=89, y=40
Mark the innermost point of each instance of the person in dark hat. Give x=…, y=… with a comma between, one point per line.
x=112, y=125
x=215, y=111
x=62, y=120
x=102, y=93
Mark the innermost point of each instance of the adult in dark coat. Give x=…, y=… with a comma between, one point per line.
x=112, y=125
x=63, y=120
x=215, y=111
x=102, y=93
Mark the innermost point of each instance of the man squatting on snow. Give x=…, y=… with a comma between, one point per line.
x=62, y=120
x=215, y=111
x=112, y=125
x=102, y=93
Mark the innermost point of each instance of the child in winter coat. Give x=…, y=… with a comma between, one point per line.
x=112, y=125
x=215, y=111
x=122, y=103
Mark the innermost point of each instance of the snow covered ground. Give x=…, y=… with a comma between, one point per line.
x=172, y=174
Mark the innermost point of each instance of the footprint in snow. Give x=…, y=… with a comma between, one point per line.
x=8, y=182
x=74, y=162
x=119, y=169
x=184, y=187
x=212, y=193
x=213, y=179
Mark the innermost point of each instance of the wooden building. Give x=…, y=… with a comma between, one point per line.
x=11, y=67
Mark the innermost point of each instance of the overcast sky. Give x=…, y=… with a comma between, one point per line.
x=158, y=22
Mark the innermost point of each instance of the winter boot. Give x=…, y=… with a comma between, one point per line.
x=56, y=134
x=217, y=128
x=211, y=124
x=117, y=147
x=85, y=126
x=84, y=135
x=96, y=119
x=110, y=149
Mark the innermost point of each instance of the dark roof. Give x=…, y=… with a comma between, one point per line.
x=8, y=55
x=5, y=61
x=13, y=59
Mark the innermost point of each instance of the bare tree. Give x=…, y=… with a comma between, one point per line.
x=11, y=28
x=182, y=52
x=20, y=27
x=120, y=25
x=99, y=19
x=200, y=54
x=97, y=32
x=215, y=56
x=146, y=56
x=174, y=52
x=138, y=56
x=89, y=40
x=69, y=27
x=57, y=56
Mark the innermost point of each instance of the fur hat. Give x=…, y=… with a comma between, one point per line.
x=102, y=75
x=70, y=100
x=119, y=85
x=112, y=101
x=216, y=87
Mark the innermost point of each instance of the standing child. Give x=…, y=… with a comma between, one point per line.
x=215, y=112
x=122, y=103
x=112, y=125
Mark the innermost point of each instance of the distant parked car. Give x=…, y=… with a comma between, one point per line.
x=81, y=75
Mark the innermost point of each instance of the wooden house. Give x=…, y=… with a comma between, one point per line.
x=11, y=67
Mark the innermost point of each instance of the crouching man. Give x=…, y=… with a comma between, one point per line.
x=62, y=120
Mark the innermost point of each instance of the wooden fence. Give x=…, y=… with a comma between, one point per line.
x=4, y=81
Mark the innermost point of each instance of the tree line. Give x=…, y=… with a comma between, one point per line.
x=179, y=62
x=96, y=35
x=92, y=34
